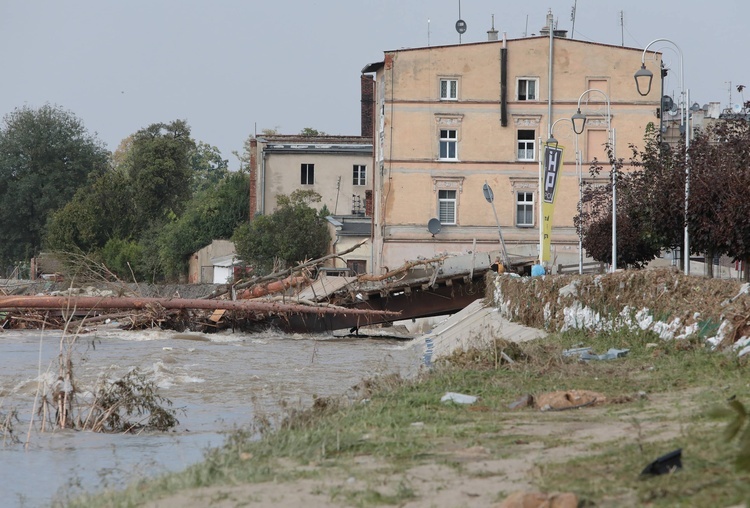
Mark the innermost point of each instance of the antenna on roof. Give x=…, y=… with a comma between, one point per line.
x=526, y=32
x=622, y=28
x=573, y=19
x=460, y=24
x=428, y=32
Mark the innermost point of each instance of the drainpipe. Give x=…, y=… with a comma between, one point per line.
x=263, y=181
x=504, y=83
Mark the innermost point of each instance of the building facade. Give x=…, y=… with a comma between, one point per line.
x=339, y=168
x=448, y=119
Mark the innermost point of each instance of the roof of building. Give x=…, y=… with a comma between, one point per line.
x=349, y=225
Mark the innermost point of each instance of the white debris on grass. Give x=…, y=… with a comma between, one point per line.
x=742, y=346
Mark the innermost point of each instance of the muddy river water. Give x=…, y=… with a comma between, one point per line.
x=219, y=380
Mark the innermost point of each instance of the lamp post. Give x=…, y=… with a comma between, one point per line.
x=579, y=122
x=553, y=141
x=490, y=197
x=643, y=78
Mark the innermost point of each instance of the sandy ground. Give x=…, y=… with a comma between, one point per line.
x=481, y=478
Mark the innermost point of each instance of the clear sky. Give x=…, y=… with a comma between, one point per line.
x=234, y=67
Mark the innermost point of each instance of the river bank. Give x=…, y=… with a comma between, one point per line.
x=399, y=444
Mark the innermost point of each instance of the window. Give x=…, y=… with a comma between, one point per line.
x=524, y=209
x=447, y=206
x=307, y=172
x=359, y=175
x=526, y=145
x=448, y=144
x=448, y=89
x=357, y=266
x=527, y=89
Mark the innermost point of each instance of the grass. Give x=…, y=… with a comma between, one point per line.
x=664, y=390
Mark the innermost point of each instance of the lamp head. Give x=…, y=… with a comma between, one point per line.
x=552, y=142
x=643, y=78
x=579, y=121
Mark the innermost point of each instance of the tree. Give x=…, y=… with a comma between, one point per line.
x=293, y=233
x=719, y=211
x=208, y=166
x=213, y=214
x=635, y=246
x=160, y=172
x=46, y=154
x=309, y=131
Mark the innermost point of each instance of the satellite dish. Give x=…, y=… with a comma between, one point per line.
x=460, y=26
x=736, y=108
x=666, y=103
x=695, y=107
x=433, y=226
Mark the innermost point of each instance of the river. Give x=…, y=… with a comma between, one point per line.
x=220, y=381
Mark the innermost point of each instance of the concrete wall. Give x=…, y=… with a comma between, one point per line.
x=200, y=269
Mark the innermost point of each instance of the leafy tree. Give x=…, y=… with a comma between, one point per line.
x=635, y=246
x=213, y=214
x=293, y=233
x=46, y=154
x=98, y=212
x=718, y=214
x=208, y=166
x=309, y=131
x=159, y=169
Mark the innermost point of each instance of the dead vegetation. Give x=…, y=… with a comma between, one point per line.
x=666, y=295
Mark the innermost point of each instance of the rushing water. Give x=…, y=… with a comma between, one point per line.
x=220, y=381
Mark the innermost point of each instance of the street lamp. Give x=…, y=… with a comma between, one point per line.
x=579, y=121
x=643, y=78
x=490, y=197
x=553, y=142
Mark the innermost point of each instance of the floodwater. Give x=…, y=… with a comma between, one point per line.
x=219, y=380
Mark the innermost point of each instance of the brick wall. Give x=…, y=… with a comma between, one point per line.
x=367, y=85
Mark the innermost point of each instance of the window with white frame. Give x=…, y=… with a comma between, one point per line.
x=526, y=145
x=524, y=209
x=527, y=89
x=359, y=174
x=447, y=206
x=448, y=144
x=307, y=174
x=448, y=89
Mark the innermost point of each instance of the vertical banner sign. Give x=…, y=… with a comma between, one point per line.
x=553, y=159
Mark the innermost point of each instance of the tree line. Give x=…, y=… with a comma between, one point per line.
x=141, y=211
x=652, y=209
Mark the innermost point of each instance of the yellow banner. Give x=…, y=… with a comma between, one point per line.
x=553, y=161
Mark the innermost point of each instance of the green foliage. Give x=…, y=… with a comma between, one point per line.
x=160, y=172
x=309, y=131
x=101, y=210
x=213, y=214
x=122, y=256
x=737, y=427
x=208, y=166
x=293, y=233
x=133, y=395
x=46, y=154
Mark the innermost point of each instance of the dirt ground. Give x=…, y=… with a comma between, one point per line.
x=480, y=481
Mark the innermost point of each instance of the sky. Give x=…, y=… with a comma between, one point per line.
x=232, y=68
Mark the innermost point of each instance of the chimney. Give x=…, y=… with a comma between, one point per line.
x=367, y=87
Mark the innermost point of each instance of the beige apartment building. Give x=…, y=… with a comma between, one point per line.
x=339, y=168
x=448, y=119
